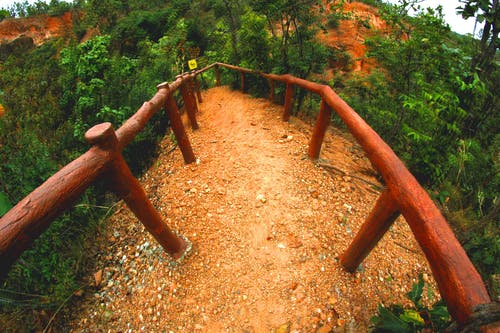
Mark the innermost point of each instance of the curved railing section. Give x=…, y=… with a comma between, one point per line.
x=458, y=281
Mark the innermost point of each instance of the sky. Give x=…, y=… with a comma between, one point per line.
x=457, y=23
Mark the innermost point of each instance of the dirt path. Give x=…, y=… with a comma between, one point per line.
x=267, y=226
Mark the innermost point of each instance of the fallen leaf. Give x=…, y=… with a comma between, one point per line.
x=98, y=277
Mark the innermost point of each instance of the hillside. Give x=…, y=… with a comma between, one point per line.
x=361, y=21
x=38, y=28
x=432, y=97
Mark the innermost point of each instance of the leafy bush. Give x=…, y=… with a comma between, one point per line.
x=415, y=319
x=333, y=20
x=424, y=104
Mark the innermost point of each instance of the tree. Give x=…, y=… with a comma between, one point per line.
x=293, y=25
x=231, y=11
x=483, y=65
x=254, y=42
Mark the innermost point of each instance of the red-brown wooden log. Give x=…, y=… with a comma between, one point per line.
x=376, y=225
x=189, y=105
x=133, y=125
x=179, y=131
x=271, y=90
x=459, y=282
x=129, y=189
x=217, y=76
x=242, y=78
x=322, y=122
x=197, y=89
x=21, y=225
x=204, y=69
x=287, y=109
x=237, y=68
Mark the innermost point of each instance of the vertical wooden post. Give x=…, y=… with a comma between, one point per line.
x=287, y=110
x=242, y=77
x=217, y=76
x=179, y=131
x=376, y=225
x=192, y=93
x=322, y=122
x=130, y=190
x=189, y=104
x=197, y=89
x=271, y=90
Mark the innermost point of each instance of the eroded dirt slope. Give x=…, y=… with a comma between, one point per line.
x=39, y=28
x=267, y=226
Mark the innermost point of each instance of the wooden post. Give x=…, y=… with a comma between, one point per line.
x=376, y=225
x=242, y=77
x=189, y=104
x=271, y=90
x=322, y=122
x=217, y=76
x=287, y=110
x=197, y=88
x=129, y=189
x=179, y=131
x=192, y=93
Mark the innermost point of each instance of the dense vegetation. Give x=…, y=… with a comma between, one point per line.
x=434, y=99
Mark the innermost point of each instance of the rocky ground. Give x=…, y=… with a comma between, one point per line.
x=267, y=226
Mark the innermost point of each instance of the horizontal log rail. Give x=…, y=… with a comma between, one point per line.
x=458, y=281
x=21, y=225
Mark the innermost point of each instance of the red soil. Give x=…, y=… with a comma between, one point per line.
x=39, y=28
x=351, y=34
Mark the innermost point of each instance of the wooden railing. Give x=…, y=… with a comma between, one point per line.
x=20, y=226
x=458, y=281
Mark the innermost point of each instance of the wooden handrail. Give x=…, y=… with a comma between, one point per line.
x=21, y=225
x=458, y=281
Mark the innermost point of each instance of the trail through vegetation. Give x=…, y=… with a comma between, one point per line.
x=267, y=226
x=431, y=94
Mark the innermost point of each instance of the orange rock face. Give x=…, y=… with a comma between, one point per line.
x=39, y=28
x=351, y=33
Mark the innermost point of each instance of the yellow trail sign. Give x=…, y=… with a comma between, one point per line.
x=192, y=64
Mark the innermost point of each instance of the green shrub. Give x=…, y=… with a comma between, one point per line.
x=414, y=319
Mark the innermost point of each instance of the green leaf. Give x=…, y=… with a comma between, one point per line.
x=412, y=316
x=440, y=312
x=415, y=295
x=388, y=322
x=5, y=204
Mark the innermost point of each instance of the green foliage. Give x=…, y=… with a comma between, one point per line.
x=52, y=95
x=4, y=14
x=5, y=204
x=295, y=49
x=141, y=25
x=425, y=105
x=25, y=9
x=255, y=43
x=415, y=319
x=484, y=249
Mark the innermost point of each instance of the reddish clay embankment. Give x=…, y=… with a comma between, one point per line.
x=362, y=21
x=39, y=28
